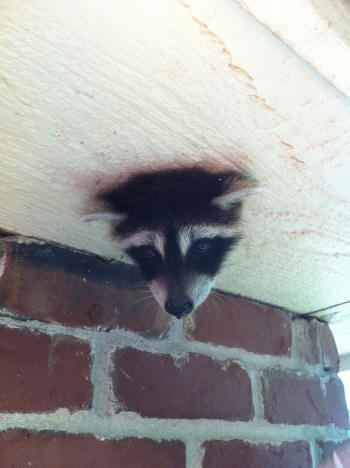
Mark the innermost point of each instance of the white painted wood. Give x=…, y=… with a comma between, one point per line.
x=345, y=363
x=91, y=91
x=339, y=318
x=317, y=30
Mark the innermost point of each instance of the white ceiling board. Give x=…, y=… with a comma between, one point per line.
x=337, y=15
x=91, y=91
x=345, y=363
x=339, y=318
x=316, y=30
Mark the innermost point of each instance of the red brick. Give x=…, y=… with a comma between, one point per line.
x=339, y=458
x=55, y=284
x=236, y=453
x=240, y=323
x=336, y=404
x=23, y=449
x=306, y=340
x=290, y=399
x=327, y=447
x=156, y=385
x=330, y=354
x=43, y=373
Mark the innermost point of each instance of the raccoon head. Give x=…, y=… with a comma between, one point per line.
x=177, y=226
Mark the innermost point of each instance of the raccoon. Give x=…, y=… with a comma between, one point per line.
x=177, y=226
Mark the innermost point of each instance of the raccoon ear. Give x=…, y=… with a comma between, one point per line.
x=236, y=188
x=115, y=218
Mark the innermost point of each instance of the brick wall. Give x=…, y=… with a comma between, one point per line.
x=93, y=373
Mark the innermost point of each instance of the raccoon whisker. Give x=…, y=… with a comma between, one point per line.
x=138, y=292
x=205, y=306
x=216, y=301
x=216, y=293
x=140, y=299
x=144, y=307
x=143, y=296
x=212, y=298
x=219, y=298
x=212, y=307
x=210, y=304
x=226, y=299
x=209, y=300
x=132, y=310
x=219, y=295
x=138, y=287
x=150, y=305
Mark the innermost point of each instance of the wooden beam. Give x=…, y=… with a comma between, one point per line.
x=307, y=29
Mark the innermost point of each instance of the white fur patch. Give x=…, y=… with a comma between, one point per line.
x=159, y=292
x=226, y=200
x=3, y=263
x=187, y=235
x=110, y=217
x=184, y=239
x=199, y=289
x=155, y=239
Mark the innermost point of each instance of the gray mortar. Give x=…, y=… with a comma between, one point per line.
x=103, y=422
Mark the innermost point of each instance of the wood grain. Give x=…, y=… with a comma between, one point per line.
x=92, y=91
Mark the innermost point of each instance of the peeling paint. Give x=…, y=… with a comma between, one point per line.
x=261, y=101
x=225, y=51
x=6, y=81
x=241, y=70
x=77, y=91
x=294, y=158
x=287, y=144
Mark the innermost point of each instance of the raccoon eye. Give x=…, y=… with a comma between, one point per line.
x=148, y=253
x=202, y=246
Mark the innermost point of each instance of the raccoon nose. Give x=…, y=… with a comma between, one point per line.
x=179, y=307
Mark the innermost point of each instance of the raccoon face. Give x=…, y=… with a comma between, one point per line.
x=177, y=226
x=180, y=265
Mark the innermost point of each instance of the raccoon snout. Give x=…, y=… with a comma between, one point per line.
x=179, y=307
